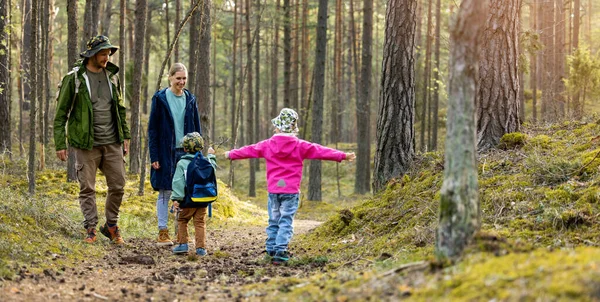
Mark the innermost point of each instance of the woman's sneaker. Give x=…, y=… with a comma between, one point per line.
x=281, y=257
x=180, y=249
x=200, y=252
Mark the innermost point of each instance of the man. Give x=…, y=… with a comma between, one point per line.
x=90, y=100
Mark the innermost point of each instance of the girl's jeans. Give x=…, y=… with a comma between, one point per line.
x=282, y=208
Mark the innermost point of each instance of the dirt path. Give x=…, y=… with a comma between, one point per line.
x=142, y=271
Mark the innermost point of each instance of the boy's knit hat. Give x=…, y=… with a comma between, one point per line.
x=192, y=142
x=286, y=121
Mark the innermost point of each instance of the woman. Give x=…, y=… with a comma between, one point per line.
x=174, y=114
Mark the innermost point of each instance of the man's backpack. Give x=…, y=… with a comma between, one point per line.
x=200, y=182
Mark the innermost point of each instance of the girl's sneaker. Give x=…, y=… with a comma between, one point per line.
x=200, y=252
x=180, y=249
x=281, y=257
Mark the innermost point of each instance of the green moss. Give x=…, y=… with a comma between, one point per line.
x=512, y=140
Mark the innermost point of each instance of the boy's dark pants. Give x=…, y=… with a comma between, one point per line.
x=199, y=215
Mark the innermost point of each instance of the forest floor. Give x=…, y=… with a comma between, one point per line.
x=142, y=271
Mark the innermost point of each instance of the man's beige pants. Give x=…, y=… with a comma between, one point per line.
x=109, y=159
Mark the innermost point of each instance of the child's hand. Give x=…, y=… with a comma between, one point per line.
x=175, y=207
x=350, y=156
x=211, y=150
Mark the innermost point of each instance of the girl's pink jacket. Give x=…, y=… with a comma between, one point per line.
x=284, y=155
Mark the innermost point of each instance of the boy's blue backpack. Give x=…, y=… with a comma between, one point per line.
x=200, y=183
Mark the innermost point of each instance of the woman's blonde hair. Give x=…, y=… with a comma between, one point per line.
x=176, y=68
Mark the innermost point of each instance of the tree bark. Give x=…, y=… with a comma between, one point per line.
x=497, y=101
x=287, y=54
x=250, y=102
x=363, y=109
x=5, y=119
x=177, y=21
x=33, y=51
x=547, y=52
x=559, y=59
x=121, y=53
x=202, y=89
x=426, y=77
x=459, y=201
x=533, y=72
x=275, y=63
x=105, y=25
x=576, y=23
x=305, y=77
x=334, y=125
x=436, y=75
x=395, y=146
x=72, y=55
x=141, y=7
x=314, y=183
x=194, y=43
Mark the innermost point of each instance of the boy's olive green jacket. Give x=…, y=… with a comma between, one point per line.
x=78, y=109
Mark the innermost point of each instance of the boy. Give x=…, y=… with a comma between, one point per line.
x=191, y=143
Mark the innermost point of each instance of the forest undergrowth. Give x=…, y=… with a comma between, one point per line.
x=540, y=234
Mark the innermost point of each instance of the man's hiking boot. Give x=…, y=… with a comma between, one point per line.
x=91, y=235
x=163, y=238
x=200, y=252
x=281, y=257
x=180, y=249
x=112, y=233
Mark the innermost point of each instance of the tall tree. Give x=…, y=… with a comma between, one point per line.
x=275, y=62
x=549, y=108
x=233, y=89
x=168, y=27
x=41, y=77
x=105, y=24
x=72, y=55
x=295, y=68
x=202, y=88
x=533, y=62
x=141, y=7
x=497, y=101
x=194, y=43
x=305, y=77
x=314, y=183
x=250, y=102
x=436, y=75
x=33, y=52
x=287, y=53
x=560, y=57
x=334, y=126
x=426, y=77
x=177, y=21
x=4, y=80
x=459, y=200
x=576, y=23
x=121, y=54
x=395, y=121
x=363, y=109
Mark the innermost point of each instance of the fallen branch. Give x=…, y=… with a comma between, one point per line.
x=419, y=265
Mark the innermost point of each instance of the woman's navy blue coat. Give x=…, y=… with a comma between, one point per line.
x=161, y=136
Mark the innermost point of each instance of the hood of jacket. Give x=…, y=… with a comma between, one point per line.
x=282, y=145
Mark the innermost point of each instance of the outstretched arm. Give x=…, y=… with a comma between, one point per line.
x=250, y=151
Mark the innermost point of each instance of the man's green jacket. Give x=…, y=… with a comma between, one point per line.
x=78, y=110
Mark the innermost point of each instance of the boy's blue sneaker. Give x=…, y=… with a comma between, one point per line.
x=180, y=249
x=281, y=257
x=200, y=252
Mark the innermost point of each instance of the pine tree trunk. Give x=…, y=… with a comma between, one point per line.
x=559, y=59
x=202, y=89
x=576, y=22
x=72, y=55
x=275, y=64
x=105, y=26
x=547, y=53
x=177, y=21
x=395, y=147
x=4, y=81
x=138, y=63
x=146, y=79
x=436, y=74
x=287, y=53
x=295, y=70
x=459, y=201
x=305, y=77
x=533, y=72
x=363, y=110
x=250, y=102
x=233, y=92
x=336, y=100
x=314, y=184
x=121, y=53
x=40, y=79
x=168, y=27
x=426, y=76
x=194, y=42
x=33, y=52
x=497, y=101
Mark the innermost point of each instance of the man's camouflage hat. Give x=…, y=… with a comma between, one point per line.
x=96, y=44
x=286, y=121
x=192, y=142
